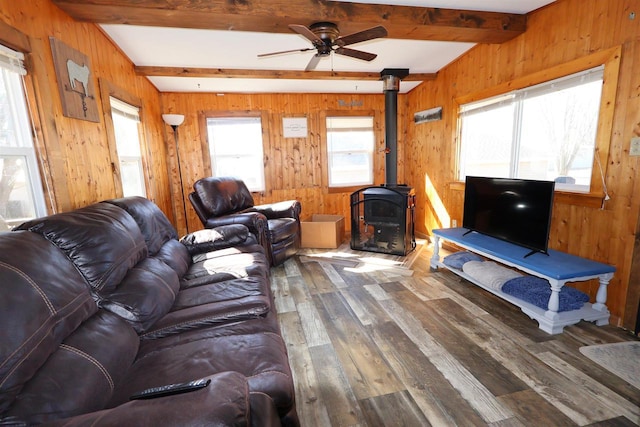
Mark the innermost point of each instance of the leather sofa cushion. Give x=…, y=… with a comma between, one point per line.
x=208, y=240
x=82, y=374
x=207, y=315
x=160, y=236
x=145, y=294
x=102, y=240
x=44, y=302
x=175, y=255
x=260, y=357
x=268, y=323
x=230, y=264
x=225, y=402
x=221, y=291
x=154, y=225
x=221, y=196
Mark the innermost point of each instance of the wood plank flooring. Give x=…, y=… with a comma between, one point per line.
x=387, y=342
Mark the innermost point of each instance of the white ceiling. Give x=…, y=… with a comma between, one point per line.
x=181, y=47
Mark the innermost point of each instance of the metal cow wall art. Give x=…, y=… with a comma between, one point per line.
x=80, y=74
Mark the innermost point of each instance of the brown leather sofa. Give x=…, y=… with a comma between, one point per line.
x=102, y=302
x=226, y=200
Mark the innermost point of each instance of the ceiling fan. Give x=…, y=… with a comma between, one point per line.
x=325, y=37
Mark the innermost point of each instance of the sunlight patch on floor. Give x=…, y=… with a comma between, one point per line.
x=346, y=255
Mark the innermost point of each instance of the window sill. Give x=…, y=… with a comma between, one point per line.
x=589, y=200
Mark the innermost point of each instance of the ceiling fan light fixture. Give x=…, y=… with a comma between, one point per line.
x=325, y=36
x=327, y=31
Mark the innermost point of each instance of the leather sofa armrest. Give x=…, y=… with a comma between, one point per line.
x=256, y=222
x=226, y=401
x=285, y=209
x=211, y=239
x=263, y=411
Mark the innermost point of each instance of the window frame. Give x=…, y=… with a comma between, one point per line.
x=610, y=59
x=324, y=152
x=128, y=159
x=518, y=100
x=107, y=91
x=204, y=138
x=333, y=152
x=28, y=126
x=49, y=148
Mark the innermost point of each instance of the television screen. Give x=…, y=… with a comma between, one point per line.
x=514, y=210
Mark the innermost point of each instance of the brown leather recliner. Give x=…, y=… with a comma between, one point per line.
x=227, y=200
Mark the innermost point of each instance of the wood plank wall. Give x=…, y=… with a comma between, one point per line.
x=557, y=34
x=294, y=167
x=77, y=162
x=75, y=153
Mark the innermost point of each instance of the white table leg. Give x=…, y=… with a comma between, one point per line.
x=554, y=299
x=601, y=296
x=435, y=258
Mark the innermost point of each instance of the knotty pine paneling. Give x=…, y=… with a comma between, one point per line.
x=75, y=153
x=564, y=31
x=294, y=167
x=77, y=165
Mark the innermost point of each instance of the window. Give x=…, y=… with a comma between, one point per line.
x=350, y=142
x=235, y=147
x=21, y=196
x=545, y=132
x=126, y=120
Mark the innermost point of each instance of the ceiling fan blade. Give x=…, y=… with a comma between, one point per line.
x=358, y=54
x=262, y=55
x=371, y=33
x=304, y=31
x=313, y=63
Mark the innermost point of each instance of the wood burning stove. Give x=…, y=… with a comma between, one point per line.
x=382, y=219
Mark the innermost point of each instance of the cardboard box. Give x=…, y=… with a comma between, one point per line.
x=323, y=231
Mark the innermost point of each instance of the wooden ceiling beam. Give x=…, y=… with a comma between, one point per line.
x=152, y=71
x=274, y=16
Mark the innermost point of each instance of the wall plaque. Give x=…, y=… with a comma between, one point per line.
x=294, y=127
x=75, y=82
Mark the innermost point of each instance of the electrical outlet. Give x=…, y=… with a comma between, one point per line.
x=634, y=150
x=454, y=223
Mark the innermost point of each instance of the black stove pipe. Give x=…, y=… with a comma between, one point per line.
x=391, y=79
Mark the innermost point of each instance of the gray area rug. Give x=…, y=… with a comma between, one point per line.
x=621, y=359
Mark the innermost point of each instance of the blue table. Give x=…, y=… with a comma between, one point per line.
x=556, y=267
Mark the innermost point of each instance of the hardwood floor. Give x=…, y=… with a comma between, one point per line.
x=374, y=343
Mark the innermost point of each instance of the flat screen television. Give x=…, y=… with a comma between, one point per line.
x=515, y=210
